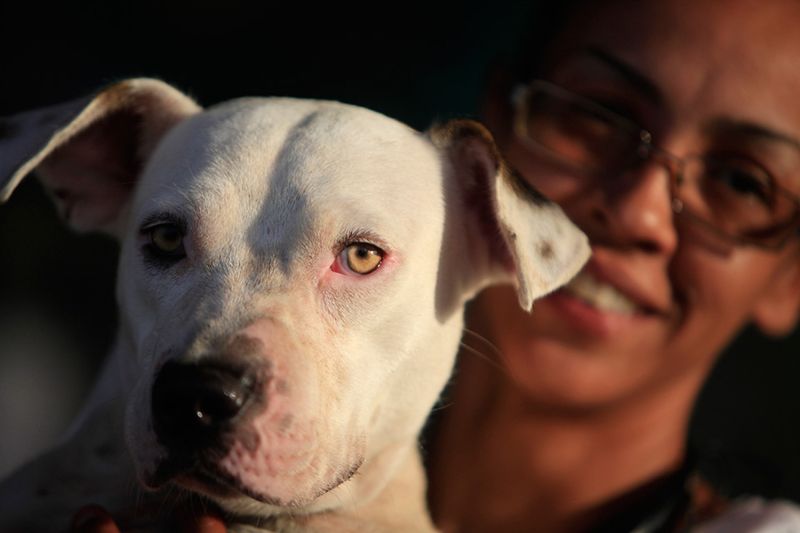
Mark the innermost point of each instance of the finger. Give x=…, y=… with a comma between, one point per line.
x=206, y=522
x=93, y=519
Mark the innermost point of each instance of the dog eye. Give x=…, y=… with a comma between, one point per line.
x=167, y=238
x=165, y=243
x=361, y=258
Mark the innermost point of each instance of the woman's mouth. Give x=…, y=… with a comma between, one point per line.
x=600, y=295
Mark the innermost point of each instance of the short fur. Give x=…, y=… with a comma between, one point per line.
x=268, y=192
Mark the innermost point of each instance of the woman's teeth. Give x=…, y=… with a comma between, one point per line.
x=599, y=294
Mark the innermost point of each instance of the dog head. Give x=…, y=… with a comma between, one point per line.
x=291, y=279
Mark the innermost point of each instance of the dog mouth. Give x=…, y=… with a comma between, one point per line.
x=228, y=431
x=201, y=476
x=215, y=483
x=205, y=478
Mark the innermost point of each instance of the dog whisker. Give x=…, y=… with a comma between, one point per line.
x=482, y=356
x=492, y=360
x=441, y=407
x=138, y=493
x=168, y=502
x=492, y=346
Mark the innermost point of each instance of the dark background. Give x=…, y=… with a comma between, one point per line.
x=414, y=62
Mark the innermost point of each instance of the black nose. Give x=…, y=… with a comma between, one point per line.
x=195, y=404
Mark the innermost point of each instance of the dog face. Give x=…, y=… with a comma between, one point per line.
x=292, y=266
x=291, y=279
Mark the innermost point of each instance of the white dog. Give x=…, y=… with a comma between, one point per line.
x=291, y=284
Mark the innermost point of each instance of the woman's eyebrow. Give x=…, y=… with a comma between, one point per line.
x=755, y=131
x=631, y=75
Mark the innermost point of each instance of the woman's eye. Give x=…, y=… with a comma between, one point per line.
x=743, y=181
x=747, y=184
x=165, y=243
x=361, y=258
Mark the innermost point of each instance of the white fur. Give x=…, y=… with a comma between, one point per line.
x=271, y=189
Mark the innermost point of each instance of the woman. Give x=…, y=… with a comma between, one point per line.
x=668, y=131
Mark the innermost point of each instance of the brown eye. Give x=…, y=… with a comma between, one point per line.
x=167, y=239
x=362, y=258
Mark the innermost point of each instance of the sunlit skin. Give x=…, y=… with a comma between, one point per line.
x=590, y=403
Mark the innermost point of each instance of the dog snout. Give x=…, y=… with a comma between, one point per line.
x=196, y=404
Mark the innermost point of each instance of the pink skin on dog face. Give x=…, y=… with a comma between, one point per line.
x=283, y=454
x=688, y=298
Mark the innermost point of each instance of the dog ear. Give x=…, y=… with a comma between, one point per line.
x=89, y=152
x=509, y=228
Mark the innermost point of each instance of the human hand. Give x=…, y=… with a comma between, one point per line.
x=95, y=519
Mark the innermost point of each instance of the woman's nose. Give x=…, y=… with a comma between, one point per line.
x=634, y=210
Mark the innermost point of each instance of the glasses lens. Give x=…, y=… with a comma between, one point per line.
x=737, y=197
x=576, y=131
x=733, y=197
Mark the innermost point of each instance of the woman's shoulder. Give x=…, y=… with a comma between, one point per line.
x=753, y=514
x=698, y=506
x=710, y=512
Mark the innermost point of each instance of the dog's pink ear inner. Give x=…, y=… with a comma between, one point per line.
x=91, y=176
x=89, y=153
x=474, y=162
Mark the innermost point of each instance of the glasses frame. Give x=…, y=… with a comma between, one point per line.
x=646, y=151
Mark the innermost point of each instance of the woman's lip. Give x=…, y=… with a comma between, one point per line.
x=599, y=294
x=635, y=284
x=592, y=320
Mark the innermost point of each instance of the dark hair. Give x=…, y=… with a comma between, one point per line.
x=545, y=22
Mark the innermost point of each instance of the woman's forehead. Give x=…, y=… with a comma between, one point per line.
x=733, y=30
x=704, y=63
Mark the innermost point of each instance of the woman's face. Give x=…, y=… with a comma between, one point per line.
x=658, y=299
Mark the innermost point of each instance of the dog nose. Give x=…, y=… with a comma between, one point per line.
x=194, y=404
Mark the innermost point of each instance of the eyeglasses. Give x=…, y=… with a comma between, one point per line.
x=733, y=197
